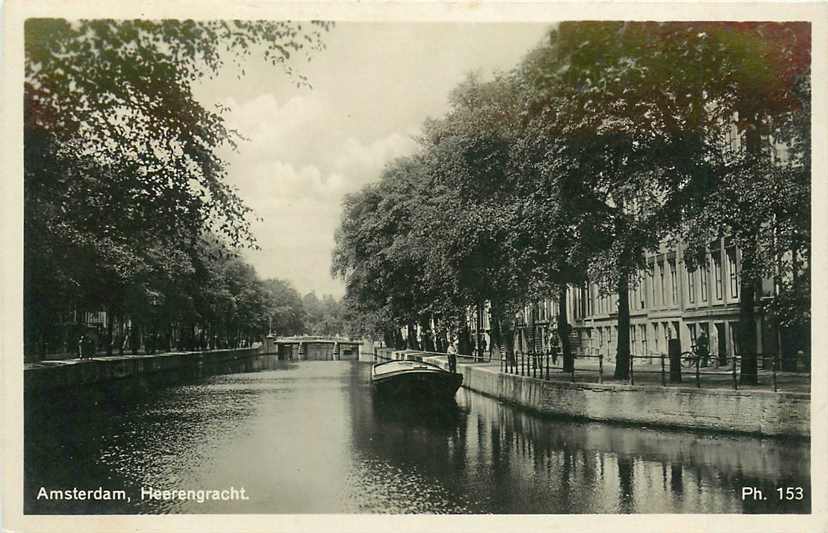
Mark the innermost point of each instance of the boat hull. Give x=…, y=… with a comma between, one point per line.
x=418, y=384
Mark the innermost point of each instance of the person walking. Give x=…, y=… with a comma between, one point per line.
x=554, y=346
x=81, y=346
x=452, y=356
x=703, y=348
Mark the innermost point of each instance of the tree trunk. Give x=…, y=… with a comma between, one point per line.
x=110, y=323
x=478, y=327
x=747, y=325
x=411, y=340
x=503, y=331
x=563, y=331
x=747, y=321
x=428, y=338
x=507, y=330
x=622, y=353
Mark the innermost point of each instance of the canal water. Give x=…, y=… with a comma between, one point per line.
x=309, y=437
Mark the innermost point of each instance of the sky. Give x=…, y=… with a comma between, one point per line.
x=372, y=88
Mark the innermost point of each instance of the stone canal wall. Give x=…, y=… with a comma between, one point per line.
x=48, y=376
x=740, y=411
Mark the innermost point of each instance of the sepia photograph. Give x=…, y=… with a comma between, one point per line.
x=332, y=266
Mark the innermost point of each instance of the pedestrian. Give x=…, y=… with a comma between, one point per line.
x=703, y=348
x=554, y=346
x=452, y=356
x=81, y=346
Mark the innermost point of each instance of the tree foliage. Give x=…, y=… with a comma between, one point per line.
x=608, y=140
x=124, y=187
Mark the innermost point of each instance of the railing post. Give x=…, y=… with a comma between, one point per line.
x=547, y=364
x=573, y=368
x=632, y=378
x=663, y=376
x=733, y=363
x=600, y=368
x=698, y=370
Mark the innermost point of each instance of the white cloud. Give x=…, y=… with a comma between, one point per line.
x=294, y=172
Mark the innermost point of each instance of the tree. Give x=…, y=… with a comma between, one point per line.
x=381, y=252
x=640, y=108
x=470, y=208
x=286, y=313
x=598, y=151
x=757, y=199
x=121, y=157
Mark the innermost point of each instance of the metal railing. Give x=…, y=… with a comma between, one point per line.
x=546, y=364
x=542, y=364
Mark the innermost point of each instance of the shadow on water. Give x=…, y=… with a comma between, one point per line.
x=441, y=416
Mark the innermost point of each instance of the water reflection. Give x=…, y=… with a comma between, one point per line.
x=310, y=437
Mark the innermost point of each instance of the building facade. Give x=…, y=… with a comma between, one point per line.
x=668, y=300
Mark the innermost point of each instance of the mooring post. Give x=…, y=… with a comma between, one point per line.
x=663, y=376
x=674, y=350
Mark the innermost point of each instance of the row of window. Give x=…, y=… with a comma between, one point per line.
x=662, y=285
x=659, y=286
x=652, y=338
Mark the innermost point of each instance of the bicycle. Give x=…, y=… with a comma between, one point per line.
x=691, y=358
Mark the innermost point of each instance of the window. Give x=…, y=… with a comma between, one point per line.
x=662, y=296
x=717, y=273
x=643, y=330
x=642, y=300
x=659, y=337
x=705, y=279
x=733, y=271
x=734, y=338
x=591, y=304
x=632, y=340
x=691, y=286
x=673, y=283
